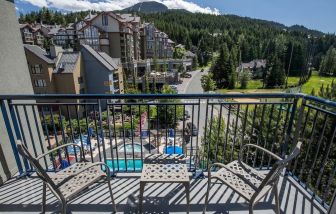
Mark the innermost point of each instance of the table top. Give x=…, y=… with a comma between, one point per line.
x=164, y=159
x=165, y=173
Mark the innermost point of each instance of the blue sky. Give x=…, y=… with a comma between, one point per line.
x=314, y=14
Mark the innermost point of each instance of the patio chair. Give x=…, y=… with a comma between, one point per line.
x=69, y=182
x=248, y=182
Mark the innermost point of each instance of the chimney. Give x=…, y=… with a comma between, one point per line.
x=55, y=50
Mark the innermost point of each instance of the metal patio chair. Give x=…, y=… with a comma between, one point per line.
x=71, y=181
x=248, y=182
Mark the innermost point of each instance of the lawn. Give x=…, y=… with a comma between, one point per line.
x=252, y=86
x=315, y=81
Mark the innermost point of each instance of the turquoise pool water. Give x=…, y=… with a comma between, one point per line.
x=129, y=164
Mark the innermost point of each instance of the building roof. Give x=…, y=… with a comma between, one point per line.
x=54, y=30
x=130, y=17
x=258, y=63
x=67, y=62
x=189, y=54
x=179, y=46
x=39, y=52
x=24, y=25
x=107, y=61
x=112, y=61
x=171, y=41
x=90, y=16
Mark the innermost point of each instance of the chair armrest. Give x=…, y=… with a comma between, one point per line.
x=59, y=147
x=212, y=165
x=84, y=169
x=259, y=148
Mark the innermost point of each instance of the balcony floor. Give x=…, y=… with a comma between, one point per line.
x=24, y=196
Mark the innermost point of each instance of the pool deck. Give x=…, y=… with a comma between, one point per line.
x=24, y=196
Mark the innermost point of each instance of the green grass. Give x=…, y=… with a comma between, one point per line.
x=252, y=86
x=315, y=82
x=293, y=81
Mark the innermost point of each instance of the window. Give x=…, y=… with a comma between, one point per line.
x=40, y=83
x=82, y=91
x=80, y=80
x=104, y=20
x=36, y=69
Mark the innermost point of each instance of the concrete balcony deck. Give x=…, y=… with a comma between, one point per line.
x=24, y=196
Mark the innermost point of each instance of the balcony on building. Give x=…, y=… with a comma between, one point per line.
x=272, y=120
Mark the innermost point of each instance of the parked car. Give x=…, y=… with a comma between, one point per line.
x=185, y=75
x=192, y=129
x=174, y=88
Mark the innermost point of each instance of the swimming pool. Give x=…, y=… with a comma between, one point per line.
x=129, y=164
x=129, y=147
x=173, y=150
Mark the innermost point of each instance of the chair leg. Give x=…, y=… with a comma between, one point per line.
x=44, y=195
x=277, y=200
x=111, y=193
x=187, y=191
x=207, y=194
x=142, y=189
x=251, y=205
x=64, y=207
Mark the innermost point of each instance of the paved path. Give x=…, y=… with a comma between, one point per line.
x=182, y=88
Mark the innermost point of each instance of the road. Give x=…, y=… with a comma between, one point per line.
x=193, y=86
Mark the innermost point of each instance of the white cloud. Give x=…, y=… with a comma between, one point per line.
x=39, y=3
x=76, y=5
x=190, y=6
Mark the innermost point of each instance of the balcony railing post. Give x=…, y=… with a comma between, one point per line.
x=299, y=121
x=332, y=208
x=10, y=132
x=101, y=129
x=289, y=128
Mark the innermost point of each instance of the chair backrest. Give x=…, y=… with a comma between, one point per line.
x=278, y=168
x=24, y=152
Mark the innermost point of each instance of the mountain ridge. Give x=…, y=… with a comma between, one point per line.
x=147, y=7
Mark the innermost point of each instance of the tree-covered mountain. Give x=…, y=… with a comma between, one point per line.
x=147, y=7
x=292, y=49
x=246, y=38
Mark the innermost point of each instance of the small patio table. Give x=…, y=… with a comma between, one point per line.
x=163, y=168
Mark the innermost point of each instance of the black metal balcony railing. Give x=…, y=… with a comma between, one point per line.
x=121, y=129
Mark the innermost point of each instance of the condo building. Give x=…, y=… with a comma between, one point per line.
x=31, y=35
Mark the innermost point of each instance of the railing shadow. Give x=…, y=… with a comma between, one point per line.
x=24, y=195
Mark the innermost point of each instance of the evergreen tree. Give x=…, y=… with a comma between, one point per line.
x=222, y=68
x=328, y=64
x=208, y=84
x=232, y=73
x=194, y=63
x=276, y=75
x=244, y=80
